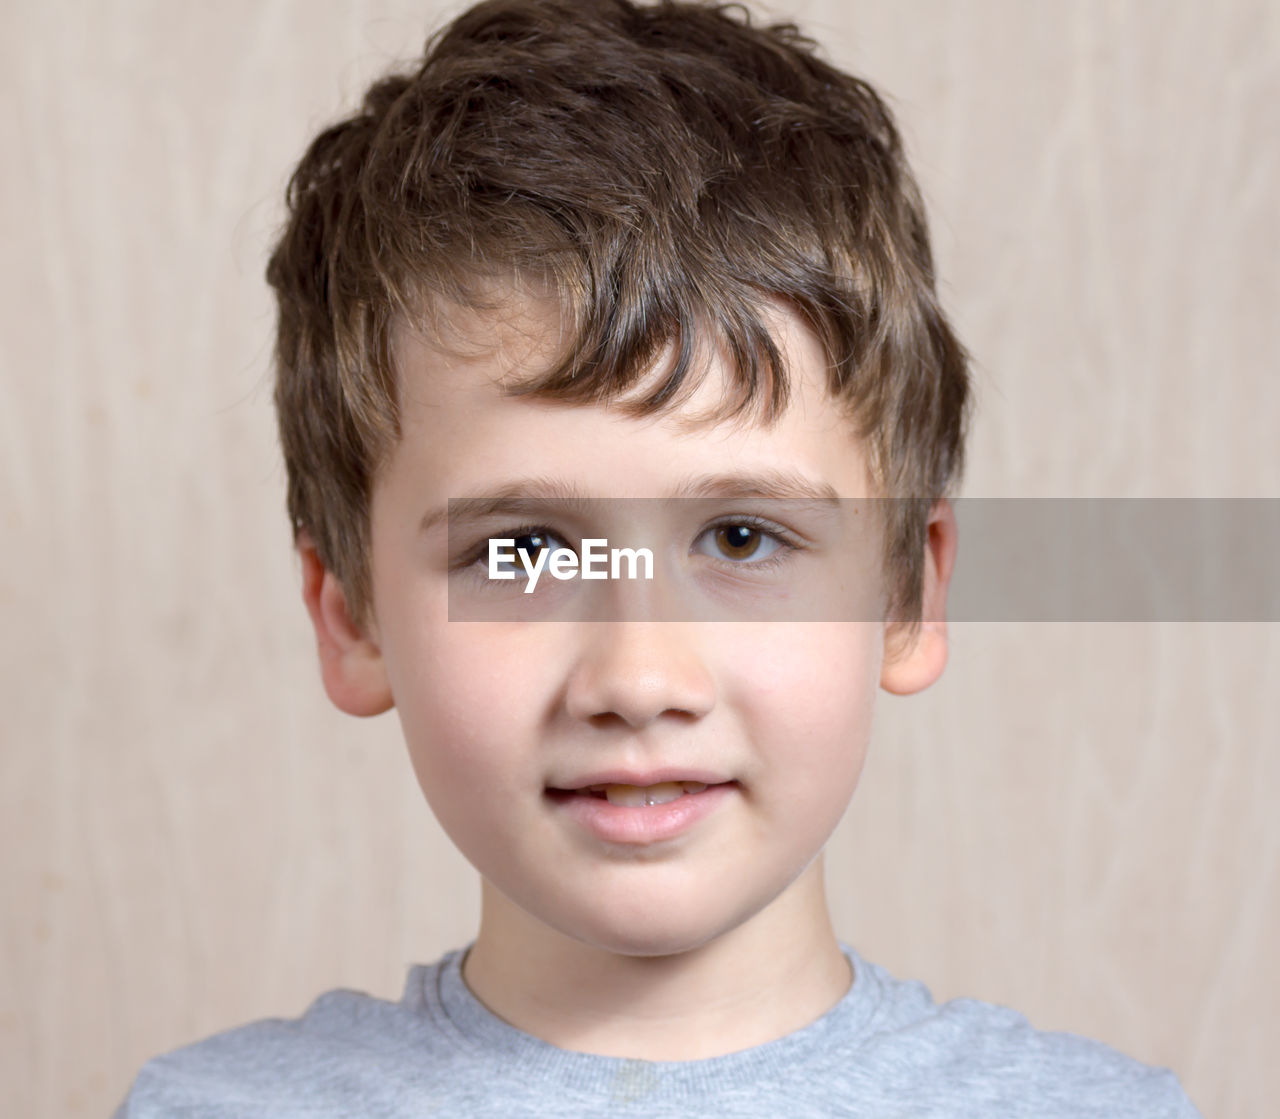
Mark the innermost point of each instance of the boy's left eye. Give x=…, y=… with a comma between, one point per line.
x=737, y=542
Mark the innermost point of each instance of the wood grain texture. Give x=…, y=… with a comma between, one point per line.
x=1077, y=821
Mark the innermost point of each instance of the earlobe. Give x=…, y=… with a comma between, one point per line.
x=351, y=665
x=917, y=664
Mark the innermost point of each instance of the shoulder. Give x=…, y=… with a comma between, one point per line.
x=997, y=1055
x=971, y=1057
x=327, y=1057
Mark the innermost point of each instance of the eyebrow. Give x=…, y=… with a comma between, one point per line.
x=534, y=495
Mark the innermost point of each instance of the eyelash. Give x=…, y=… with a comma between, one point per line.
x=787, y=542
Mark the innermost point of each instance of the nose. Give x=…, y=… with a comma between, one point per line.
x=635, y=672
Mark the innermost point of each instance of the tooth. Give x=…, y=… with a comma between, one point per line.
x=630, y=796
x=633, y=796
x=663, y=793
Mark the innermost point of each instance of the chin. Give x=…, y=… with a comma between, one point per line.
x=654, y=929
x=655, y=944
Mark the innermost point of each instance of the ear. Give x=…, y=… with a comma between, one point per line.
x=914, y=667
x=350, y=663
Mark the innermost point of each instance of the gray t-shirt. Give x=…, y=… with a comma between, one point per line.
x=885, y=1050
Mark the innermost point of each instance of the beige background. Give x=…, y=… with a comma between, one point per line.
x=1075, y=821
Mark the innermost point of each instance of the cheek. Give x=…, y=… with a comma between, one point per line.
x=808, y=702
x=466, y=728
x=465, y=710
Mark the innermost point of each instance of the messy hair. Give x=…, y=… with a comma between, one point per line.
x=667, y=171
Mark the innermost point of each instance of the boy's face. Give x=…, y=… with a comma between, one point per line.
x=509, y=722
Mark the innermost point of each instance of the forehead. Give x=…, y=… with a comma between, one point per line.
x=461, y=422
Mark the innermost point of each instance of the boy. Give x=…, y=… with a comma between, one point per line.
x=588, y=254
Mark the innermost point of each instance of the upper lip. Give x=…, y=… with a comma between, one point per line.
x=642, y=778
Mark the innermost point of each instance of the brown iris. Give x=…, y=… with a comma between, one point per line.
x=534, y=543
x=738, y=541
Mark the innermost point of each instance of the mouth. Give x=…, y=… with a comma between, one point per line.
x=643, y=810
x=637, y=796
x=637, y=788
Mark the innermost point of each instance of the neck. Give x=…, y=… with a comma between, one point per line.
x=775, y=973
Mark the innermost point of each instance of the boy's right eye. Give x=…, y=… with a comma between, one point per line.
x=533, y=541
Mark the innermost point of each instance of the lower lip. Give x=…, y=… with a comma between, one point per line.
x=641, y=823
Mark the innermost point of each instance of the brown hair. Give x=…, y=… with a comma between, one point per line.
x=667, y=169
